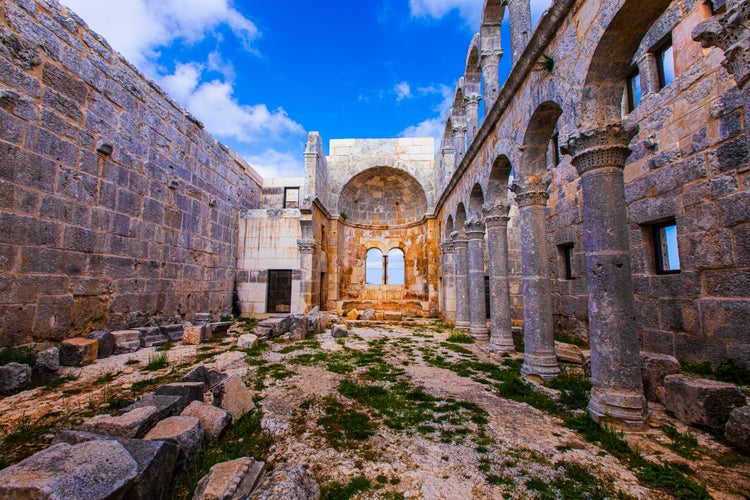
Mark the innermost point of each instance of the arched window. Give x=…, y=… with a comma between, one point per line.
x=395, y=268
x=374, y=267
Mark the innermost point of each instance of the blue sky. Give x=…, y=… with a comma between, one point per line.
x=260, y=75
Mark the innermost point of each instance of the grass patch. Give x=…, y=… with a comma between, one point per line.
x=569, y=339
x=344, y=491
x=460, y=338
x=343, y=426
x=105, y=379
x=684, y=445
x=21, y=355
x=165, y=347
x=574, y=390
x=156, y=362
x=734, y=373
x=131, y=361
x=245, y=438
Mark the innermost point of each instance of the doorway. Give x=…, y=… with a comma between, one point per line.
x=279, y=299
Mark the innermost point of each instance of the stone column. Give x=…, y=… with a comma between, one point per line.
x=307, y=247
x=730, y=31
x=496, y=219
x=461, y=262
x=599, y=156
x=449, y=287
x=519, y=12
x=459, y=142
x=539, y=357
x=471, y=103
x=478, y=313
x=490, y=63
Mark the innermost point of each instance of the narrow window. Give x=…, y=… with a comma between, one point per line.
x=374, y=267
x=395, y=270
x=566, y=256
x=634, y=90
x=665, y=248
x=665, y=64
x=291, y=197
x=556, y=148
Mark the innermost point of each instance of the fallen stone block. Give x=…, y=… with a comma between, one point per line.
x=352, y=315
x=187, y=391
x=339, y=331
x=654, y=367
x=233, y=396
x=214, y=421
x=106, y=342
x=247, y=341
x=156, y=461
x=173, y=332
x=152, y=336
x=49, y=359
x=230, y=480
x=697, y=401
x=392, y=315
x=133, y=424
x=368, y=315
x=14, y=376
x=220, y=328
x=166, y=406
x=126, y=341
x=278, y=325
x=263, y=332
x=78, y=352
x=298, y=325
x=209, y=377
x=93, y=469
x=568, y=353
x=182, y=431
x=288, y=481
x=737, y=430
x=194, y=335
x=202, y=318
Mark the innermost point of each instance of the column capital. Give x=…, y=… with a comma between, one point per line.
x=458, y=130
x=472, y=100
x=602, y=146
x=729, y=31
x=496, y=215
x=459, y=239
x=491, y=54
x=446, y=246
x=531, y=192
x=474, y=229
x=307, y=246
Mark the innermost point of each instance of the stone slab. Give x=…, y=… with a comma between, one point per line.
x=339, y=331
x=247, y=341
x=288, y=481
x=568, y=353
x=106, y=342
x=126, y=341
x=49, y=359
x=737, y=430
x=78, y=352
x=173, y=332
x=230, y=480
x=166, y=406
x=182, y=431
x=194, y=335
x=214, y=421
x=654, y=367
x=187, y=391
x=233, y=396
x=132, y=424
x=14, y=376
x=703, y=402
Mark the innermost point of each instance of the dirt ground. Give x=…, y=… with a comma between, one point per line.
x=428, y=429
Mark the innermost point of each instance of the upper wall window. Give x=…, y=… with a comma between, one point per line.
x=634, y=90
x=395, y=269
x=665, y=64
x=374, y=267
x=665, y=248
x=291, y=197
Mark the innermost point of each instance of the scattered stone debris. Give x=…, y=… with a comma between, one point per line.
x=14, y=376
x=703, y=402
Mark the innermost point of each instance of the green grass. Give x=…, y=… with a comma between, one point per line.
x=131, y=361
x=684, y=445
x=165, y=347
x=344, y=426
x=22, y=355
x=105, y=379
x=460, y=338
x=344, y=491
x=569, y=339
x=574, y=390
x=156, y=362
x=244, y=439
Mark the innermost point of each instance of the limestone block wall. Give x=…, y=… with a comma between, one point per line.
x=268, y=241
x=116, y=207
x=274, y=188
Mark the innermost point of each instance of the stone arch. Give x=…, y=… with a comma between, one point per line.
x=472, y=73
x=449, y=225
x=476, y=201
x=492, y=15
x=612, y=60
x=497, y=186
x=422, y=176
x=460, y=216
x=536, y=140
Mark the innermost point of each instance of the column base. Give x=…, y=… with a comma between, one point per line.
x=624, y=408
x=479, y=333
x=462, y=325
x=501, y=345
x=541, y=365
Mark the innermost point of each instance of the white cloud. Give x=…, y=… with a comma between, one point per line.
x=272, y=163
x=402, y=90
x=432, y=127
x=470, y=10
x=138, y=28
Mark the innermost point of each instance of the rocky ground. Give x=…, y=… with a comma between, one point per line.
x=398, y=411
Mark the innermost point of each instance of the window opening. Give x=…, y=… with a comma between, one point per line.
x=634, y=90
x=567, y=253
x=395, y=267
x=665, y=248
x=374, y=267
x=291, y=197
x=665, y=63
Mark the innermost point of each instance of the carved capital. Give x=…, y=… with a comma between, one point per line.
x=307, y=246
x=446, y=246
x=474, y=229
x=531, y=192
x=459, y=240
x=603, y=146
x=496, y=215
x=472, y=100
x=458, y=131
x=730, y=32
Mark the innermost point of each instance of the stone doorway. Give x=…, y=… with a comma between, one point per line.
x=279, y=298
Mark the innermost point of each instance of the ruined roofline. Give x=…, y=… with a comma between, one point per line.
x=540, y=39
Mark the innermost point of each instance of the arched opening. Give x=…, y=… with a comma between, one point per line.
x=374, y=274
x=500, y=178
x=449, y=226
x=460, y=217
x=395, y=267
x=537, y=139
x=476, y=201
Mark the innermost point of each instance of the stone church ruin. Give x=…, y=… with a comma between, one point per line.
x=601, y=192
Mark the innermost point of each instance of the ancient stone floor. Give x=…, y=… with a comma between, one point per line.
x=396, y=411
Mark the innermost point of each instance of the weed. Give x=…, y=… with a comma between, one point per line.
x=569, y=339
x=734, y=373
x=142, y=385
x=105, y=379
x=248, y=324
x=165, y=347
x=683, y=444
x=344, y=425
x=460, y=338
x=574, y=390
x=156, y=362
x=702, y=369
x=131, y=361
x=339, y=491
x=21, y=355
x=670, y=479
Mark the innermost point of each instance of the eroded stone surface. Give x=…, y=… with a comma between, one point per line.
x=737, y=430
x=14, y=376
x=654, y=367
x=132, y=424
x=230, y=480
x=213, y=421
x=183, y=431
x=289, y=481
x=234, y=397
x=78, y=352
x=697, y=401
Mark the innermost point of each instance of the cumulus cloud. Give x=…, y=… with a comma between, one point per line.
x=470, y=10
x=432, y=127
x=272, y=163
x=138, y=28
x=402, y=90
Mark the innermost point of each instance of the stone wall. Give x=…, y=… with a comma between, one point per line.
x=116, y=207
